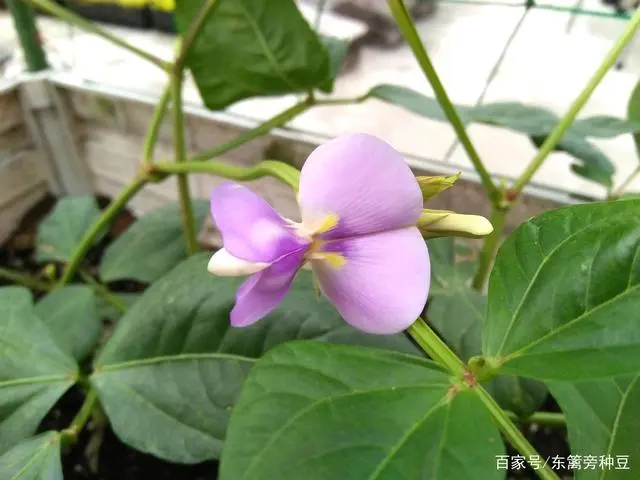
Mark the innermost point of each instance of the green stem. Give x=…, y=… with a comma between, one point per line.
x=267, y=168
x=512, y=433
x=625, y=184
x=71, y=433
x=554, y=137
x=154, y=127
x=24, y=280
x=25, y=25
x=99, y=225
x=64, y=14
x=196, y=26
x=180, y=147
x=408, y=29
x=435, y=347
x=551, y=419
x=489, y=247
x=103, y=291
x=262, y=129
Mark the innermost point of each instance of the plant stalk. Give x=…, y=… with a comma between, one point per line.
x=179, y=144
x=262, y=129
x=62, y=13
x=550, y=419
x=99, y=225
x=25, y=25
x=154, y=127
x=267, y=168
x=561, y=128
x=435, y=347
x=71, y=433
x=103, y=291
x=408, y=29
x=625, y=184
x=195, y=28
x=24, y=280
x=489, y=247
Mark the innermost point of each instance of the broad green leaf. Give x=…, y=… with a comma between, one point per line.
x=604, y=126
x=316, y=411
x=251, y=48
x=565, y=290
x=72, y=317
x=34, y=371
x=107, y=311
x=633, y=113
x=603, y=419
x=536, y=122
x=457, y=312
x=37, y=458
x=151, y=246
x=176, y=338
x=60, y=233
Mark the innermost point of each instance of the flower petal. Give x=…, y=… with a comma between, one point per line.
x=261, y=293
x=251, y=230
x=362, y=180
x=223, y=264
x=383, y=286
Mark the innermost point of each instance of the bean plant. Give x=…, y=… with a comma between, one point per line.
x=402, y=354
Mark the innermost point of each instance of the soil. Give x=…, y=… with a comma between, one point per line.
x=100, y=455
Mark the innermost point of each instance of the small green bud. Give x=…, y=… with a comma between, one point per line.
x=433, y=186
x=49, y=272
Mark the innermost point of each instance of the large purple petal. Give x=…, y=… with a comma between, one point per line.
x=261, y=293
x=383, y=286
x=251, y=230
x=364, y=181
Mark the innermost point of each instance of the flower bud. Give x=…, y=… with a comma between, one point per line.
x=433, y=186
x=442, y=223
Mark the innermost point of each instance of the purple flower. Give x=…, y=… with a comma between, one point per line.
x=359, y=203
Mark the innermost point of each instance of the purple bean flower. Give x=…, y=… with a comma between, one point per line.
x=359, y=203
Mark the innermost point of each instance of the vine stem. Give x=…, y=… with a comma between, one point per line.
x=154, y=127
x=64, y=14
x=433, y=345
x=408, y=29
x=100, y=224
x=262, y=129
x=103, y=291
x=281, y=171
x=186, y=207
x=554, y=137
x=24, y=280
x=489, y=247
x=551, y=419
x=625, y=184
x=70, y=434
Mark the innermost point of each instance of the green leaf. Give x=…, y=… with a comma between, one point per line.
x=604, y=126
x=536, y=122
x=72, y=317
x=251, y=48
x=633, y=113
x=37, y=458
x=457, y=312
x=564, y=290
x=337, y=49
x=151, y=246
x=603, y=418
x=34, y=372
x=174, y=364
x=61, y=232
x=316, y=411
x=107, y=311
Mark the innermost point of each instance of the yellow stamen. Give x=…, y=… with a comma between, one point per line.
x=329, y=222
x=335, y=260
